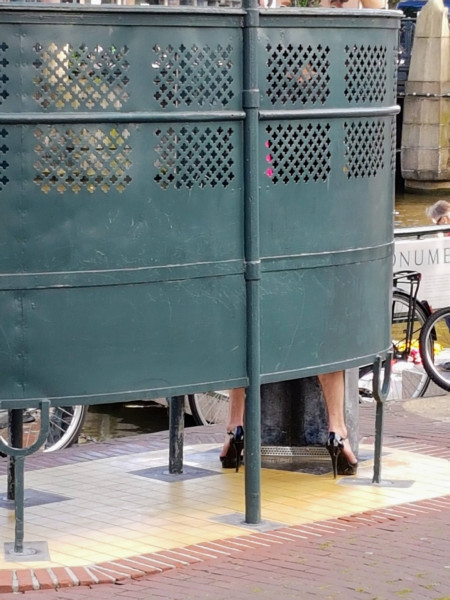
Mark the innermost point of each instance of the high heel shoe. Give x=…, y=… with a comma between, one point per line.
x=341, y=464
x=233, y=457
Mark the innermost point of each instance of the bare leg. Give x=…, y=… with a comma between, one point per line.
x=236, y=414
x=333, y=391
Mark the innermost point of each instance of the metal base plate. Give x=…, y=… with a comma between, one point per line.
x=32, y=552
x=33, y=498
x=238, y=519
x=162, y=473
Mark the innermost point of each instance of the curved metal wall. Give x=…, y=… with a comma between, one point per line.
x=124, y=208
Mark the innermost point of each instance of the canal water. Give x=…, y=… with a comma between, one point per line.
x=410, y=209
x=118, y=420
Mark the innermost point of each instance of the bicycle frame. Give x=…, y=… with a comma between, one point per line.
x=411, y=281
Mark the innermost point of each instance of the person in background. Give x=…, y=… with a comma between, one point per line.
x=343, y=459
x=439, y=214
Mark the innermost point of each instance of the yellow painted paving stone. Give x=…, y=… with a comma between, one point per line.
x=157, y=515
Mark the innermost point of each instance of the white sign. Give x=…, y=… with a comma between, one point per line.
x=431, y=258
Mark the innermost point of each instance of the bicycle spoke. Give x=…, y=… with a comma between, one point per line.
x=435, y=347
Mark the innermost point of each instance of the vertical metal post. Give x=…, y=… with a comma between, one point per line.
x=19, y=454
x=176, y=432
x=19, y=506
x=253, y=266
x=15, y=429
x=380, y=392
x=378, y=442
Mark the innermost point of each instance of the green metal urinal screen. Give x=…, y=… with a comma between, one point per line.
x=124, y=165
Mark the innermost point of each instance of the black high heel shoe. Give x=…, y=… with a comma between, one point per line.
x=233, y=457
x=341, y=465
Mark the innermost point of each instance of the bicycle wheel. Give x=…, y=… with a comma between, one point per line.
x=64, y=426
x=435, y=347
x=408, y=377
x=209, y=408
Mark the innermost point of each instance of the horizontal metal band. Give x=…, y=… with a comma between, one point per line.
x=315, y=260
x=158, y=391
x=93, y=278
x=119, y=16
x=350, y=363
x=120, y=117
x=329, y=113
x=419, y=232
x=425, y=95
x=29, y=281
x=306, y=18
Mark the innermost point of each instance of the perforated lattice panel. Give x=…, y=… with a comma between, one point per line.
x=4, y=62
x=297, y=74
x=3, y=156
x=297, y=153
x=191, y=157
x=70, y=159
x=80, y=77
x=364, y=148
x=195, y=75
x=393, y=143
x=366, y=73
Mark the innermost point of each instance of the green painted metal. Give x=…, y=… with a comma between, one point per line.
x=16, y=483
x=176, y=427
x=192, y=200
x=251, y=103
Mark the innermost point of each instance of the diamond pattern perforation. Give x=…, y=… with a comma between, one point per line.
x=393, y=143
x=366, y=74
x=192, y=76
x=4, y=62
x=192, y=157
x=297, y=74
x=3, y=162
x=80, y=77
x=78, y=158
x=364, y=148
x=298, y=153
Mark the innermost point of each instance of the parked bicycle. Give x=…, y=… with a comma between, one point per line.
x=408, y=377
x=435, y=347
x=66, y=422
x=65, y=425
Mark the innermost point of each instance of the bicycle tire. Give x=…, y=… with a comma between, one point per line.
x=65, y=426
x=409, y=379
x=434, y=345
x=209, y=408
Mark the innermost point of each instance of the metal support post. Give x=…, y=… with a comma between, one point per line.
x=18, y=453
x=380, y=394
x=176, y=433
x=253, y=267
x=15, y=429
x=20, y=501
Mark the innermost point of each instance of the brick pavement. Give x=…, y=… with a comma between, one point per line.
x=394, y=554
x=398, y=552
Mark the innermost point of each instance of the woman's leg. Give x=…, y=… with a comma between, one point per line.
x=235, y=414
x=333, y=388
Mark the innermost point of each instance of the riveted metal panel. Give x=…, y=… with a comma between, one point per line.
x=326, y=139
